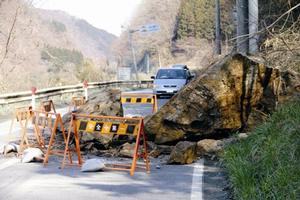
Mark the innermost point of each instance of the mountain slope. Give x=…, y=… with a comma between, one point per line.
x=47, y=48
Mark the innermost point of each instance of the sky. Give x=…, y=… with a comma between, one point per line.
x=109, y=15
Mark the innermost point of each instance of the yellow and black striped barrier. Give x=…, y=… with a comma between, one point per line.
x=108, y=127
x=93, y=124
x=140, y=98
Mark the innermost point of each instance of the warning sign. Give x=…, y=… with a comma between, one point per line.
x=92, y=124
x=108, y=127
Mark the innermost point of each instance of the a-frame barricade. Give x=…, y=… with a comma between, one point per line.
x=93, y=124
x=76, y=103
x=22, y=115
x=50, y=121
x=140, y=98
x=47, y=106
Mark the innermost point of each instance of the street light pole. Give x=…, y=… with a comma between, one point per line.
x=133, y=54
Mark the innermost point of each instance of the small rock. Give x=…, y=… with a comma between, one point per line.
x=157, y=167
x=2, y=146
x=155, y=153
x=209, y=146
x=7, y=148
x=32, y=155
x=165, y=149
x=183, y=153
x=242, y=136
x=93, y=165
x=127, y=150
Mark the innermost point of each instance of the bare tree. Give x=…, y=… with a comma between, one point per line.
x=9, y=36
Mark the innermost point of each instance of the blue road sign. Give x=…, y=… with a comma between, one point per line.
x=149, y=28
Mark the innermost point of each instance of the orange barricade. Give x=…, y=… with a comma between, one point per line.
x=141, y=98
x=47, y=106
x=22, y=115
x=92, y=124
x=47, y=121
x=76, y=103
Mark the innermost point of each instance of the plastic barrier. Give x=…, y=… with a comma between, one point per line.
x=77, y=102
x=47, y=106
x=92, y=124
x=141, y=98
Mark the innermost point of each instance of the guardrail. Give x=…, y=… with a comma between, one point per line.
x=17, y=97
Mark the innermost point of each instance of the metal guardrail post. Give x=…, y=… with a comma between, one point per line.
x=33, y=91
x=85, y=86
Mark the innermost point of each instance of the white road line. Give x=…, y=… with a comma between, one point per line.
x=9, y=163
x=196, y=191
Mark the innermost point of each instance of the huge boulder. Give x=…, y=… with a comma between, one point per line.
x=233, y=94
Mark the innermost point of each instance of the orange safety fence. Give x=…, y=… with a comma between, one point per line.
x=77, y=102
x=47, y=106
x=93, y=124
x=22, y=115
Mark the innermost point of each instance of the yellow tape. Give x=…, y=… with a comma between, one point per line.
x=133, y=100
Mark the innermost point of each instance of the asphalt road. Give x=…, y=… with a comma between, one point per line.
x=33, y=181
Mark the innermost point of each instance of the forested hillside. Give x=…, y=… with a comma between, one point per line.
x=48, y=48
x=188, y=31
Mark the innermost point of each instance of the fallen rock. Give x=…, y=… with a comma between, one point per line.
x=32, y=155
x=165, y=149
x=2, y=146
x=183, y=153
x=93, y=165
x=234, y=94
x=106, y=103
x=242, y=136
x=157, y=150
x=127, y=150
x=209, y=146
x=7, y=148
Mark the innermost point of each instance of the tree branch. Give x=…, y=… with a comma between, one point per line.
x=268, y=27
x=9, y=36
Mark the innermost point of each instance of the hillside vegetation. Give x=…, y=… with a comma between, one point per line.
x=45, y=48
x=266, y=165
x=187, y=33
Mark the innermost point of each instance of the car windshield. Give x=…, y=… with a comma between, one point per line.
x=171, y=74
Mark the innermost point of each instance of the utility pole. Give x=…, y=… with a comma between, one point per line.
x=253, y=26
x=218, y=28
x=147, y=63
x=242, y=26
x=133, y=54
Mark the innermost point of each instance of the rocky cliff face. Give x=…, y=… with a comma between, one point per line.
x=234, y=94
